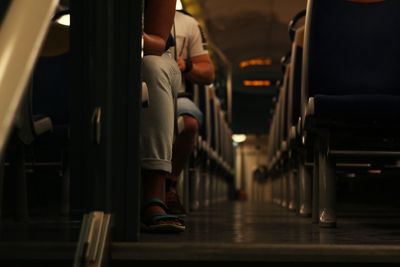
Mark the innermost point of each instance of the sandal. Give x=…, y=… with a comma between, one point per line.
x=160, y=222
x=174, y=204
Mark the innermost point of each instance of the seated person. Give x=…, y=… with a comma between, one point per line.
x=162, y=76
x=196, y=66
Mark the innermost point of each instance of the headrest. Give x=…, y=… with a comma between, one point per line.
x=293, y=23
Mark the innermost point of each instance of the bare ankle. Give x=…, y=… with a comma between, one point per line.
x=171, y=184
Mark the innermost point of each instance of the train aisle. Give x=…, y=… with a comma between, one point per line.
x=261, y=232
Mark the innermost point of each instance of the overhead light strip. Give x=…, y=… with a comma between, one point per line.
x=257, y=83
x=256, y=62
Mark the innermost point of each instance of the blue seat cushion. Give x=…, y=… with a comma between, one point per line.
x=381, y=108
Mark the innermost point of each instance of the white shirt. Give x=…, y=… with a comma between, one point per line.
x=189, y=38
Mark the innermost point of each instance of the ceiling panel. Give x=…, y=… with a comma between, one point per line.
x=245, y=29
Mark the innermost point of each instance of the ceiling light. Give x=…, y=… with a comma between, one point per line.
x=239, y=138
x=256, y=62
x=64, y=20
x=375, y=171
x=257, y=83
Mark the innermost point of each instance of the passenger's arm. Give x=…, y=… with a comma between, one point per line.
x=202, y=71
x=159, y=17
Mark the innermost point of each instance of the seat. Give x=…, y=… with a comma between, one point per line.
x=278, y=163
x=27, y=128
x=350, y=81
x=298, y=158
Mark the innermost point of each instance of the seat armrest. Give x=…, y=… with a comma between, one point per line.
x=42, y=125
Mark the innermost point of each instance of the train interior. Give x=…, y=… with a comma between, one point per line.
x=296, y=161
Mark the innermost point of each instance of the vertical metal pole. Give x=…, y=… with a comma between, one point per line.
x=195, y=187
x=186, y=188
x=284, y=188
x=206, y=178
x=305, y=189
x=292, y=190
x=243, y=182
x=274, y=190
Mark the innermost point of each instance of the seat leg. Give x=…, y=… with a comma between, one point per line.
x=292, y=190
x=211, y=185
x=65, y=195
x=274, y=190
x=276, y=195
x=17, y=172
x=206, y=176
x=278, y=190
x=219, y=187
x=315, y=183
x=305, y=190
x=194, y=189
x=1, y=184
x=284, y=202
x=186, y=187
x=181, y=186
x=278, y=181
x=327, y=187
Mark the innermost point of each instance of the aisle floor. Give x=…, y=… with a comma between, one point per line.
x=232, y=232
x=265, y=233
x=261, y=223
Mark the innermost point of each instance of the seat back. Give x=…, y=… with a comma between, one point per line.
x=279, y=123
x=294, y=89
x=51, y=93
x=352, y=47
x=283, y=116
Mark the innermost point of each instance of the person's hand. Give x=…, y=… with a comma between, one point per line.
x=181, y=64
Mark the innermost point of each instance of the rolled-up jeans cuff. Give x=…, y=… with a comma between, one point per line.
x=186, y=107
x=157, y=164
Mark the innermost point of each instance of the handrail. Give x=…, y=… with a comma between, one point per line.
x=21, y=36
